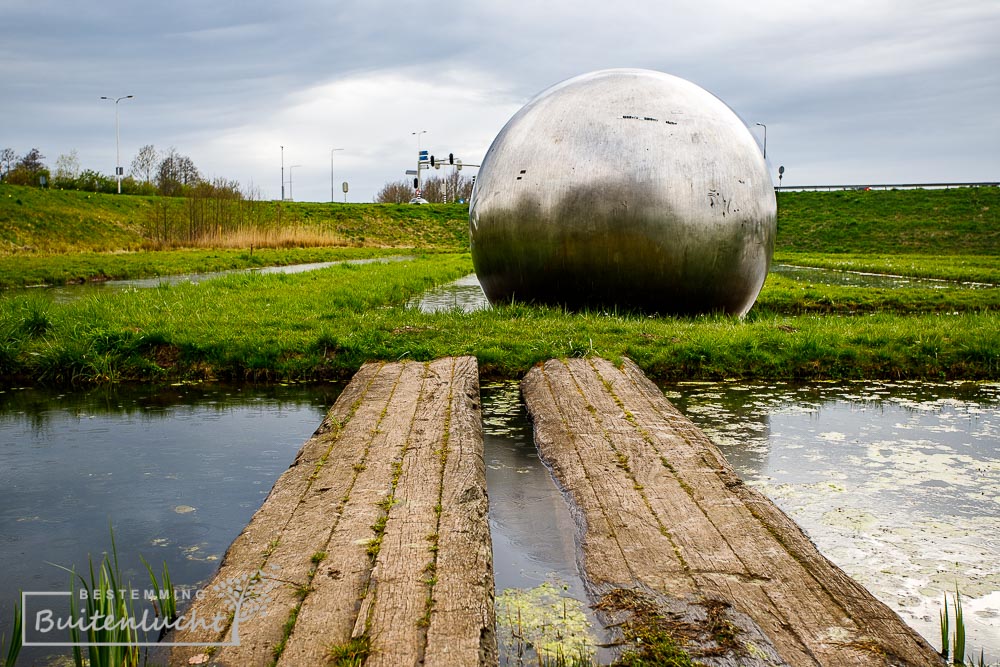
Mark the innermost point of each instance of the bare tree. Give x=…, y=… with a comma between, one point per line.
x=144, y=163
x=433, y=190
x=457, y=187
x=68, y=166
x=7, y=156
x=398, y=192
x=174, y=172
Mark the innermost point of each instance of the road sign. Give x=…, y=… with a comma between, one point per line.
x=411, y=172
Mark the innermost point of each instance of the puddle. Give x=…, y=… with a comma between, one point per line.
x=896, y=483
x=463, y=294
x=538, y=580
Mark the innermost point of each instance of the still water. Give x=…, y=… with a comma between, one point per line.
x=540, y=592
x=899, y=484
x=178, y=472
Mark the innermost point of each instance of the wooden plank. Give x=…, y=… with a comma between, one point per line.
x=666, y=517
x=462, y=626
x=250, y=553
x=357, y=529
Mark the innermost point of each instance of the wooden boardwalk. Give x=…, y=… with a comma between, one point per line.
x=673, y=541
x=375, y=541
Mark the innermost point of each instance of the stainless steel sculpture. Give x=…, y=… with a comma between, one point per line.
x=624, y=188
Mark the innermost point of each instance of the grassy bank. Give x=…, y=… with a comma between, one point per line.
x=34, y=220
x=955, y=221
x=969, y=268
x=22, y=270
x=325, y=324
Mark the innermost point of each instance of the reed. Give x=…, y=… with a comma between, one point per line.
x=12, y=650
x=293, y=236
x=953, y=637
x=165, y=594
x=108, y=612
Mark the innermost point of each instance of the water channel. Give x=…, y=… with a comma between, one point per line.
x=899, y=484
x=64, y=293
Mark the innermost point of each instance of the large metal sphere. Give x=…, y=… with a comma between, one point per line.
x=624, y=188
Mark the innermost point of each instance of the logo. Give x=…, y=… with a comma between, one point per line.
x=89, y=615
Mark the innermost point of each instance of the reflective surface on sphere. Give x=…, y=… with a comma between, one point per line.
x=627, y=189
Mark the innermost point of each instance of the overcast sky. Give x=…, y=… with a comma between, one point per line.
x=851, y=91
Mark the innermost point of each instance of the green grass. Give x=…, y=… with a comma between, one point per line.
x=52, y=220
x=34, y=220
x=325, y=324
x=968, y=268
x=956, y=221
x=787, y=296
x=938, y=222
x=59, y=269
x=352, y=653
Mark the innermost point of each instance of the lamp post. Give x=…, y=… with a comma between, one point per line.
x=417, y=135
x=118, y=158
x=332, y=151
x=291, y=197
x=765, y=138
x=282, y=173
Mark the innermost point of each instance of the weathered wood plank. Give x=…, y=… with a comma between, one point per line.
x=329, y=610
x=396, y=609
x=645, y=479
x=250, y=553
x=353, y=533
x=462, y=626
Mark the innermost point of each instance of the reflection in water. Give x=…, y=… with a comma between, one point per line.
x=178, y=472
x=533, y=532
x=897, y=483
x=464, y=294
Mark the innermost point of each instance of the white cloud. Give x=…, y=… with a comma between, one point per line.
x=372, y=117
x=854, y=90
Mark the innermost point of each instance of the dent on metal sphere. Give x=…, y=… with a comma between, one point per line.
x=627, y=189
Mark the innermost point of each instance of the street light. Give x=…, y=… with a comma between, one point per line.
x=765, y=138
x=118, y=158
x=332, y=151
x=291, y=197
x=282, y=173
x=417, y=135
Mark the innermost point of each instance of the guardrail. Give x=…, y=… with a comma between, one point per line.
x=884, y=186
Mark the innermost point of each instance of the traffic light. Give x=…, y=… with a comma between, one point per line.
x=416, y=184
x=432, y=160
x=451, y=158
